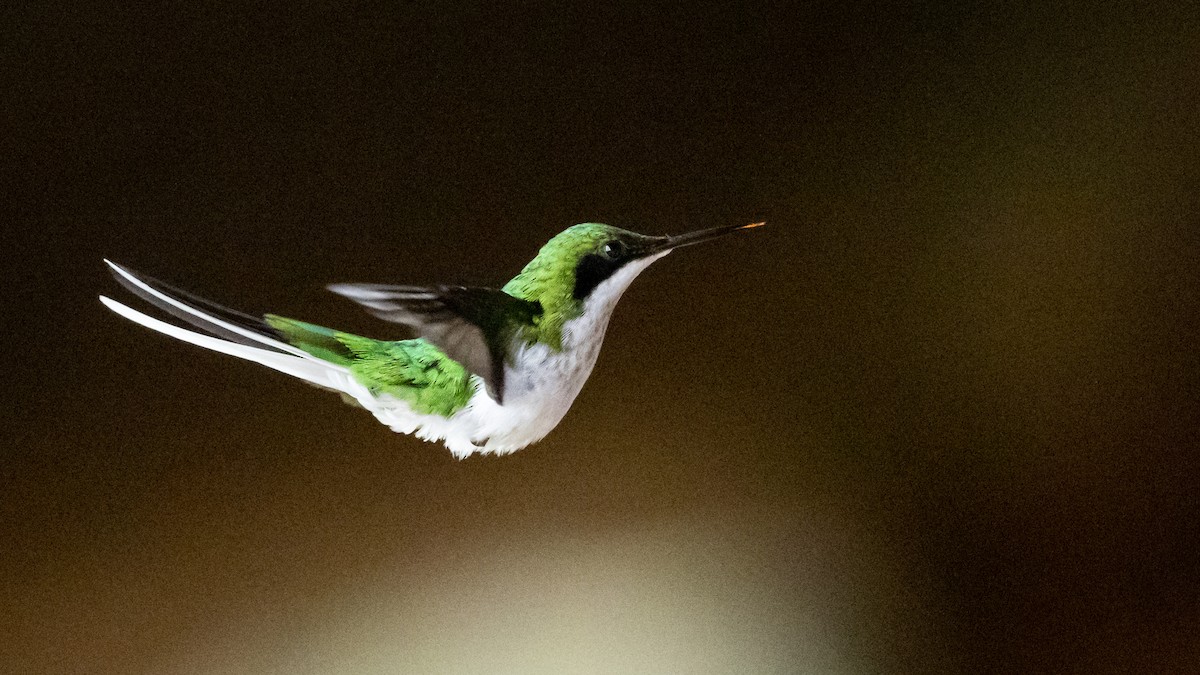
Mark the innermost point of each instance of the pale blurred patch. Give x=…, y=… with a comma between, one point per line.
x=661, y=600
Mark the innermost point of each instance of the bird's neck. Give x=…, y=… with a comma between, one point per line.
x=551, y=287
x=552, y=284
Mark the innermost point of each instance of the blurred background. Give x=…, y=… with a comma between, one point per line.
x=938, y=416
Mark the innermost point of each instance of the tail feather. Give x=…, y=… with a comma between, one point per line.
x=321, y=342
x=231, y=332
x=208, y=316
x=308, y=368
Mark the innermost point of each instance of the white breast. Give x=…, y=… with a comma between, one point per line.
x=539, y=386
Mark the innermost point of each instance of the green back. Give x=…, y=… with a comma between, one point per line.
x=414, y=371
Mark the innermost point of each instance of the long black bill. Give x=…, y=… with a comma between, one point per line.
x=670, y=242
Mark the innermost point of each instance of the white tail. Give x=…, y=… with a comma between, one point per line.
x=307, y=368
x=273, y=353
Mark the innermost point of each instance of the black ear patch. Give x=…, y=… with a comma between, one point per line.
x=591, y=271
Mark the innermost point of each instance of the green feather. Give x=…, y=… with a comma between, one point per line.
x=414, y=371
x=319, y=341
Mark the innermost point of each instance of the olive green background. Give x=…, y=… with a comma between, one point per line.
x=939, y=416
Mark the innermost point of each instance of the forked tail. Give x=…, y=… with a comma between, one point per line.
x=312, y=359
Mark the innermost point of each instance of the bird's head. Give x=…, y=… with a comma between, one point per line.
x=591, y=264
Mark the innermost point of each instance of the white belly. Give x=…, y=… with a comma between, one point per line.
x=539, y=389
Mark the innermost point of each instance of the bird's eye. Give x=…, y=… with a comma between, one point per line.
x=614, y=249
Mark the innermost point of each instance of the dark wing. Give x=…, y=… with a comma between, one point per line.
x=472, y=325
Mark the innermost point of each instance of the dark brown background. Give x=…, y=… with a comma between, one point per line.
x=939, y=416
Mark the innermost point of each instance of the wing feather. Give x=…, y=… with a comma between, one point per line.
x=472, y=325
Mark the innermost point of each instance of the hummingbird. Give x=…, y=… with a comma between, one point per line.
x=491, y=370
